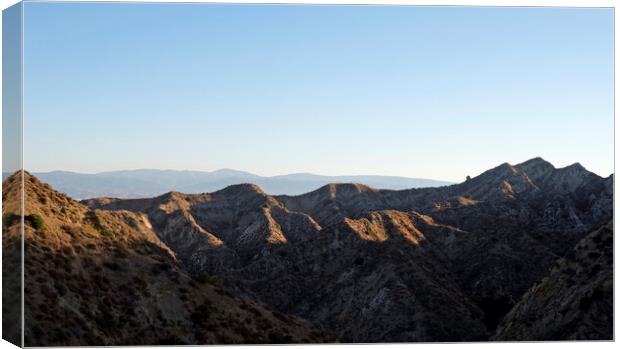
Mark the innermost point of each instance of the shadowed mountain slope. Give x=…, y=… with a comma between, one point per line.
x=432, y=264
x=574, y=301
x=97, y=277
x=234, y=224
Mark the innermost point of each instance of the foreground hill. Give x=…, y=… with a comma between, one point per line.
x=97, y=277
x=431, y=264
x=574, y=301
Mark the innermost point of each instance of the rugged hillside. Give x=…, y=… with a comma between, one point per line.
x=570, y=199
x=11, y=265
x=219, y=231
x=333, y=202
x=97, y=277
x=373, y=279
x=380, y=265
x=332, y=275
x=434, y=264
x=574, y=301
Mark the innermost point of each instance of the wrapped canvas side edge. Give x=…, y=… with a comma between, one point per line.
x=12, y=177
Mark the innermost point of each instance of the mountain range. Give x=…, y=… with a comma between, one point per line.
x=520, y=252
x=149, y=183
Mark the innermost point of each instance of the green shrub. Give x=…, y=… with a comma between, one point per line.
x=108, y=233
x=35, y=221
x=9, y=218
x=94, y=218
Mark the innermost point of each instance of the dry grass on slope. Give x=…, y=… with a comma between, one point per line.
x=104, y=278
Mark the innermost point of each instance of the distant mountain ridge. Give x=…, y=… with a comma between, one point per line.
x=148, y=183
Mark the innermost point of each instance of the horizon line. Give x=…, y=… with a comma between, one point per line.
x=538, y=158
x=232, y=169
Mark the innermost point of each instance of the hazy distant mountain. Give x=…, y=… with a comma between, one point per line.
x=149, y=183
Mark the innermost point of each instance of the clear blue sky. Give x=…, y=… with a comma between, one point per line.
x=435, y=92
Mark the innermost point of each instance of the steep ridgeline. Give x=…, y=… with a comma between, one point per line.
x=434, y=264
x=220, y=231
x=569, y=198
x=97, y=277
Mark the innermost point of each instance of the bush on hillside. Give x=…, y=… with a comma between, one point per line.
x=9, y=218
x=35, y=221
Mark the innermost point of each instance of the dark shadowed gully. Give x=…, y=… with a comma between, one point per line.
x=521, y=252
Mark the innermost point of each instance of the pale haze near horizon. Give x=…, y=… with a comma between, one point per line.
x=427, y=92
